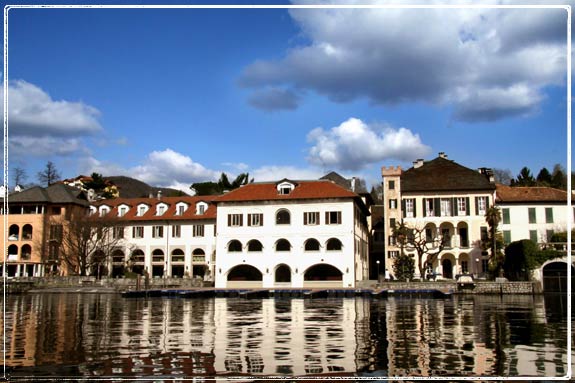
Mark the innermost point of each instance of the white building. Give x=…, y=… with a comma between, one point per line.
x=291, y=234
x=163, y=237
x=534, y=213
x=447, y=202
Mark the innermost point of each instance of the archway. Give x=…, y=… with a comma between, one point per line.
x=447, y=267
x=158, y=263
x=323, y=272
x=138, y=259
x=555, y=277
x=117, y=263
x=244, y=276
x=14, y=233
x=27, y=232
x=283, y=274
x=177, y=259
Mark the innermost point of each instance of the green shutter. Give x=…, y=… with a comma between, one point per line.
x=532, y=215
x=437, y=207
x=506, y=236
x=506, y=218
x=549, y=214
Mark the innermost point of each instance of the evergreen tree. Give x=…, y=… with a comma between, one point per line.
x=558, y=177
x=544, y=177
x=524, y=178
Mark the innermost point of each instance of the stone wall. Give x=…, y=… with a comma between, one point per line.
x=481, y=287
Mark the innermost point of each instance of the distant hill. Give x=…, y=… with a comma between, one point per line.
x=133, y=188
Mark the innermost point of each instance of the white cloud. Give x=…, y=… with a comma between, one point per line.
x=354, y=144
x=422, y=55
x=275, y=173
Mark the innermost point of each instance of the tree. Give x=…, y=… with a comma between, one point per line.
x=223, y=184
x=558, y=177
x=494, y=240
x=404, y=267
x=49, y=175
x=19, y=175
x=522, y=257
x=101, y=187
x=84, y=242
x=524, y=178
x=377, y=194
x=502, y=176
x=425, y=241
x=544, y=177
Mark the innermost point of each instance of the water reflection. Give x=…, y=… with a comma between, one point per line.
x=106, y=335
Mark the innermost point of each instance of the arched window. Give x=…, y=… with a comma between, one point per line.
x=14, y=232
x=333, y=244
x=178, y=255
x=12, y=252
x=199, y=255
x=26, y=253
x=158, y=255
x=27, y=232
x=138, y=256
x=312, y=245
x=234, y=246
x=118, y=256
x=283, y=217
x=283, y=245
x=255, y=245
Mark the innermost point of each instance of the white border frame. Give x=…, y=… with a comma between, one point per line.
x=567, y=8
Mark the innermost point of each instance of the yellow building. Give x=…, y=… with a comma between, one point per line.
x=33, y=229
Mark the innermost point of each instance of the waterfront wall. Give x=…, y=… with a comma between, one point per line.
x=483, y=287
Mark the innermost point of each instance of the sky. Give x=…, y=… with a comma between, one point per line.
x=177, y=96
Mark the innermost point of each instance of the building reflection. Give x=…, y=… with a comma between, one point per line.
x=110, y=336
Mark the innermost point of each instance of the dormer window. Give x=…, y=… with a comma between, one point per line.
x=142, y=209
x=285, y=187
x=201, y=208
x=181, y=208
x=122, y=210
x=93, y=210
x=161, y=209
x=104, y=210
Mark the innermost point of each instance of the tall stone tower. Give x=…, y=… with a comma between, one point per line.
x=391, y=178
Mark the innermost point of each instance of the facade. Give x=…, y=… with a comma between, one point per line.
x=291, y=234
x=534, y=213
x=36, y=217
x=447, y=203
x=161, y=237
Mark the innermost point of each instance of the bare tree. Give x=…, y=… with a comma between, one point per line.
x=49, y=175
x=427, y=242
x=502, y=176
x=85, y=242
x=19, y=175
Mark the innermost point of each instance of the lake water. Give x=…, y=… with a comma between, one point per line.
x=91, y=335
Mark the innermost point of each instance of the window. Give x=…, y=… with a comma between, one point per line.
x=391, y=240
x=142, y=210
x=505, y=216
x=122, y=211
x=549, y=234
x=176, y=231
x=549, y=214
x=333, y=217
x=201, y=208
x=507, y=236
x=409, y=208
x=255, y=219
x=392, y=223
x=311, y=245
x=283, y=245
x=463, y=237
x=104, y=211
x=138, y=232
x=428, y=235
x=391, y=185
x=481, y=205
x=311, y=218
x=392, y=254
x=56, y=232
x=255, y=245
x=198, y=230
x=393, y=204
x=283, y=217
x=235, y=220
x=333, y=244
x=285, y=190
x=533, y=236
x=429, y=211
x=446, y=237
x=532, y=215
x=118, y=232
x=161, y=210
x=157, y=232
x=445, y=205
x=485, y=265
x=461, y=206
x=484, y=234
x=56, y=210
x=235, y=246
x=180, y=209
x=464, y=267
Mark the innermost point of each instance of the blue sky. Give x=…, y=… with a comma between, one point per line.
x=176, y=96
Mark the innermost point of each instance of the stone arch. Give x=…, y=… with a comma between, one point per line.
x=14, y=232
x=244, y=275
x=12, y=252
x=283, y=244
x=555, y=274
x=323, y=272
x=283, y=217
x=447, y=266
x=311, y=244
x=26, y=252
x=282, y=273
x=158, y=259
x=138, y=259
x=117, y=263
x=255, y=245
x=234, y=246
x=463, y=234
x=333, y=244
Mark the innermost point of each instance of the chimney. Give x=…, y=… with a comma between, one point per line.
x=442, y=155
x=418, y=163
x=159, y=195
x=353, y=180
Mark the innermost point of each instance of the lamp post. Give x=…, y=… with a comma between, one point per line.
x=377, y=262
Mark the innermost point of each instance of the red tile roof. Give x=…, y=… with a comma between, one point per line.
x=529, y=194
x=169, y=214
x=303, y=190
